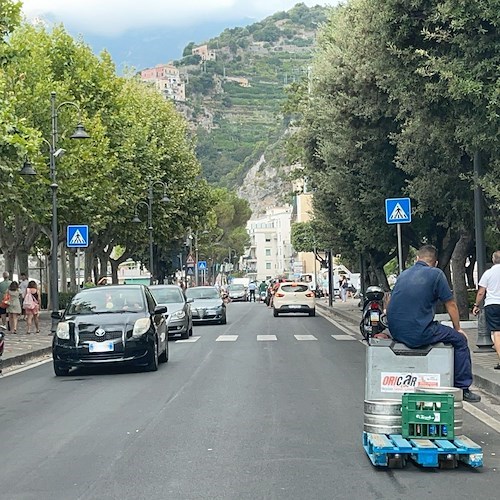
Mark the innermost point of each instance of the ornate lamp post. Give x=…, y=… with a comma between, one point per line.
x=149, y=205
x=27, y=169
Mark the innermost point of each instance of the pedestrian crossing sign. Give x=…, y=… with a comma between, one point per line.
x=77, y=236
x=397, y=210
x=202, y=265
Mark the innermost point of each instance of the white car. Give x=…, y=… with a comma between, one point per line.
x=292, y=297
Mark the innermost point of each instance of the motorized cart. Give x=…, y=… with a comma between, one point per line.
x=411, y=410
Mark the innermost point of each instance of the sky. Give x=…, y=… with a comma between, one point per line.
x=144, y=33
x=115, y=17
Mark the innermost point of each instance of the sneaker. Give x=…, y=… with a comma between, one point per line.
x=471, y=397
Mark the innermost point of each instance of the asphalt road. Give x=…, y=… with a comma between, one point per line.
x=240, y=418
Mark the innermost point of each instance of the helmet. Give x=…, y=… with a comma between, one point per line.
x=374, y=293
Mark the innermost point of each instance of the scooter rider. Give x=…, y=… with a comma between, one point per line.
x=410, y=315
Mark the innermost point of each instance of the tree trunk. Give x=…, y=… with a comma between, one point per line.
x=115, y=263
x=103, y=264
x=10, y=260
x=89, y=263
x=22, y=261
x=458, y=274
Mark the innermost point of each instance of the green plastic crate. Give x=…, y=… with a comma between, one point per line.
x=428, y=416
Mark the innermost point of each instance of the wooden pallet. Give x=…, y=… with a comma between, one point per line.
x=394, y=451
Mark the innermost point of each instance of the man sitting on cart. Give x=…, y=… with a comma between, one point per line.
x=410, y=315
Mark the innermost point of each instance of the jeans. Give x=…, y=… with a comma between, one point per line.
x=462, y=361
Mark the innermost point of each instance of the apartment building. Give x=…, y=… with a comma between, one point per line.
x=304, y=262
x=270, y=253
x=167, y=80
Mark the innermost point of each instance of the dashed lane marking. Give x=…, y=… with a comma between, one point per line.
x=305, y=337
x=343, y=337
x=187, y=341
x=226, y=338
x=264, y=338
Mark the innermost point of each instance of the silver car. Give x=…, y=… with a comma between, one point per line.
x=208, y=305
x=180, y=318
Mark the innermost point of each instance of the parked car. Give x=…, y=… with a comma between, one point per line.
x=237, y=292
x=292, y=297
x=120, y=324
x=208, y=305
x=180, y=318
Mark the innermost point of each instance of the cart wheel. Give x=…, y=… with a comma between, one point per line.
x=396, y=463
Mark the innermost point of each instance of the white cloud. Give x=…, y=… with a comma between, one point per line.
x=113, y=17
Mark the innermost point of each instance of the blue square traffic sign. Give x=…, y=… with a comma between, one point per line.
x=202, y=265
x=77, y=236
x=397, y=210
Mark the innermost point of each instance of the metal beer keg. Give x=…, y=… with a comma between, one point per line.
x=382, y=416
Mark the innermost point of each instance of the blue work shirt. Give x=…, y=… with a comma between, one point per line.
x=411, y=310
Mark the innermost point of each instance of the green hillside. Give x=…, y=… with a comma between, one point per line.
x=235, y=123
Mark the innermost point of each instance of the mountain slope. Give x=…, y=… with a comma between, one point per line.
x=234, y=102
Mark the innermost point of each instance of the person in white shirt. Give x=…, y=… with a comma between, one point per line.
x=489, y=290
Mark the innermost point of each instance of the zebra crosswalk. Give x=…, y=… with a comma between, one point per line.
x=267, y=338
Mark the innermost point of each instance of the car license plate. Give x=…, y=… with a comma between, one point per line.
x=294, y=307
x=374, y=316
x=101, y=346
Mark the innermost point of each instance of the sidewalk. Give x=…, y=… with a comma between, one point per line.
x=485, y=376
x=20, y=348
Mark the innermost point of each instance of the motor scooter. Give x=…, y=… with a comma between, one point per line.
x=373, y=319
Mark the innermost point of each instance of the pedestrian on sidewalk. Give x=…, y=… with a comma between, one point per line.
x=23, y=286
x=14, y=308
x=31, y=306
x=489, y=291
x=4, y=286
x=410, y=314
x=343, y=285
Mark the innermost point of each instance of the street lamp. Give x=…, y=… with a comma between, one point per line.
x=28, y=170
x=136, y=220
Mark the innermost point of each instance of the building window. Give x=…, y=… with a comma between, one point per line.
x=268, y=265
x=268, y=252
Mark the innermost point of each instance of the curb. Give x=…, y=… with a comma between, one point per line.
x=23, y=358
x=482, y=382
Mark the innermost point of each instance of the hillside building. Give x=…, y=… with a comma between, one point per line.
x=167, y=79
x=204, y=52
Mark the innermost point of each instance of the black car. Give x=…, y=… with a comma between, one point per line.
x=207, y=306
x=180, y=319
x=111, y=324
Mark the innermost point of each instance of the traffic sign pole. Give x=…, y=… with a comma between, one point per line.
x=400, y=250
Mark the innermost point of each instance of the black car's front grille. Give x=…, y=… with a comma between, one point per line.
x=92, y=337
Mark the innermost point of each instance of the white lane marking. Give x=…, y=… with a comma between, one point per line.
x=305, y=337
x=226, y=338
x=481, y=415
x=263, y=338
x=345, y=329
x=24, y=368
x=343, y=337
x=186, y=341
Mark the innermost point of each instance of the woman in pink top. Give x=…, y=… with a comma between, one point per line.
x=31, y=306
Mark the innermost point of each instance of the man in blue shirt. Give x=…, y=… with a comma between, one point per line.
x=411, y=315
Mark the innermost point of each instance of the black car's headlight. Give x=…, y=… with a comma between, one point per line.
x=62, y=330
x=141, y=327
